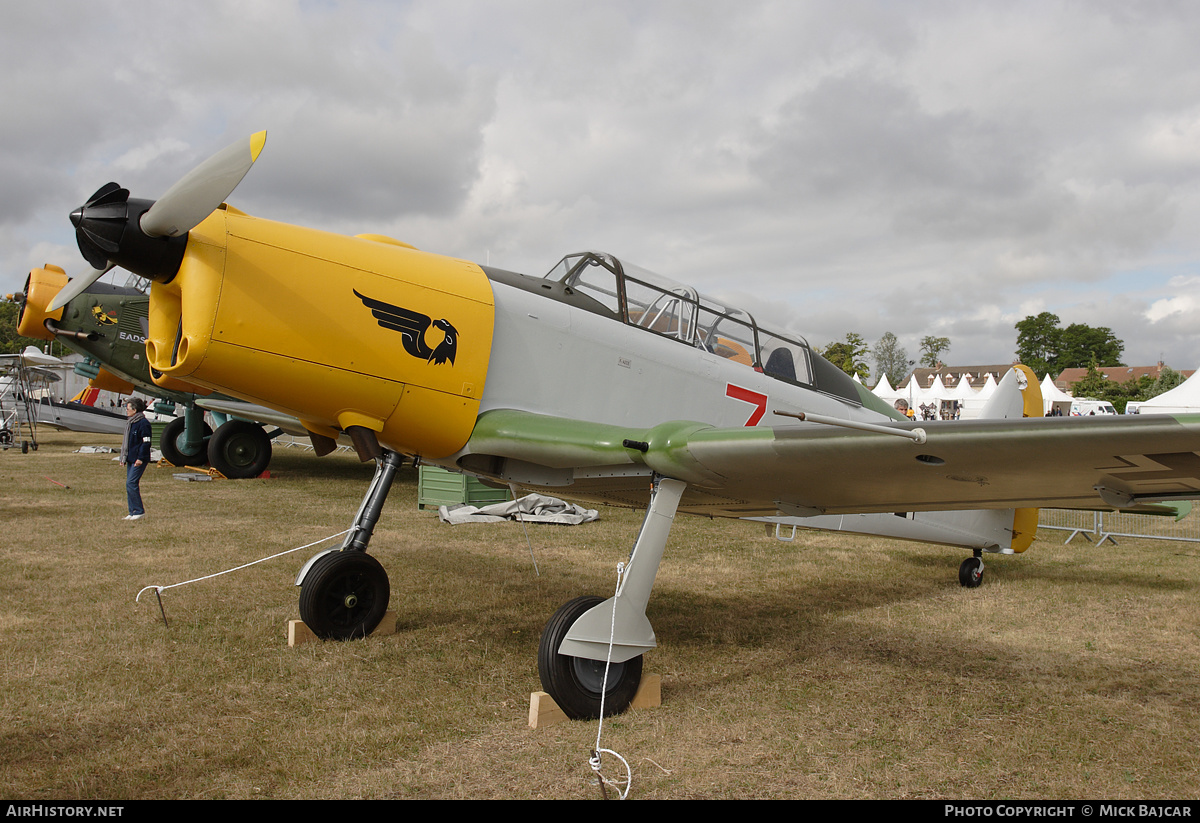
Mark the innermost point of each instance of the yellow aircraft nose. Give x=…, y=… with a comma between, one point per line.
x=42, y=286
x=337, y=331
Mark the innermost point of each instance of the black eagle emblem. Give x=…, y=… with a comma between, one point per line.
x=412, y=327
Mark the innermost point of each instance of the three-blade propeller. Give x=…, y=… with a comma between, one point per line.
x=105, y=223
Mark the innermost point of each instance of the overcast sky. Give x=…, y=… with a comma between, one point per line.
x=940, y=168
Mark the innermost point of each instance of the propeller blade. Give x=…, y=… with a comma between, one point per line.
x=76, y=287
x=202, y=189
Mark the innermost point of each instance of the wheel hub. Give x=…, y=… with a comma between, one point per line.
x=242, y=453
x=590, y=673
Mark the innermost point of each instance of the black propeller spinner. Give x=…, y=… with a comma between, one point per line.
x=108, y=232
x=149, y=238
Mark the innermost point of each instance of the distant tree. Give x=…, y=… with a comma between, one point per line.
x=931, y=350
x=1045, y=347
x=848, y=355
x=1166, y=380
x=1131, y=390
x=1080, y=344
x=891, y=360
x=1037, y=342
x=1098, y=387
x=1093, y=384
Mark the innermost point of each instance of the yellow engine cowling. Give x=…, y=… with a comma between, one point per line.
x=281, y=315
x=43, y=285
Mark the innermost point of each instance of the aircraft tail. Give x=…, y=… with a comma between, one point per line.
x=1018, y=395
x=86, y=396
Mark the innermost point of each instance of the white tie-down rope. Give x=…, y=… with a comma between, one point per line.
x=161, y=589
x=597, y=752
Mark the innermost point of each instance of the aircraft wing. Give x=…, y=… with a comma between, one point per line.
x=809, y=469
x=253, y=412
x=31, y=357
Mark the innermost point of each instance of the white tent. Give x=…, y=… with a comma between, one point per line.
x=929, y=401
x=971, y=401
x=909, y=392
x=1183, y=399
x=884, y=391
x=962, y=391
x=1053, y=396
x=988, y=388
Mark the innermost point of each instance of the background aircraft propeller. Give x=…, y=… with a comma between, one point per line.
x=149, y=238
x=77, y=286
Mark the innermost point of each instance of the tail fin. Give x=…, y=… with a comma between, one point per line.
x=86, y=396
x=1018, y=395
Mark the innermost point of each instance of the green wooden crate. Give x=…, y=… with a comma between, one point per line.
x=438, y=487
x=156, y=430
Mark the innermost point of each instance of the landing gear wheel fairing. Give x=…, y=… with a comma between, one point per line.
x=575, y=683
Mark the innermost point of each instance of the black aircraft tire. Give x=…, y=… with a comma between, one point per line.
x=172, y=451
x=344, y=595
x=239, y=449
x=970, y=573
x=575, y=683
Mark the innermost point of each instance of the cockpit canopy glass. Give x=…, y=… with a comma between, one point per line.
x=657, y=304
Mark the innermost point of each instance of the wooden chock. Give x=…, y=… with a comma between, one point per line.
x=298, y=632
x=543, y=711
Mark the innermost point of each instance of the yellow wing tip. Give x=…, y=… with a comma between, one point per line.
x=257, y=141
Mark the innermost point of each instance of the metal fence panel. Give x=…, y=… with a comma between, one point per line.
x=1096, y=527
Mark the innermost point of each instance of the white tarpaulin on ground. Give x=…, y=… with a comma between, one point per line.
x=532, y=508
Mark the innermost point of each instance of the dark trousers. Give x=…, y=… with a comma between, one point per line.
x=133, y=477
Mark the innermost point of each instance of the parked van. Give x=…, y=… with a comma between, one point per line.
x=1086, y=407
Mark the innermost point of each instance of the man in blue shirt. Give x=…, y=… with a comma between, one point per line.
x=135, y=454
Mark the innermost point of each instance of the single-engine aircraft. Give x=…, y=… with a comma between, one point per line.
x=600, y=380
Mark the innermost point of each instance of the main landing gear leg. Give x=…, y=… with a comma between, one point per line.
x=344, y=592
x=575, y=643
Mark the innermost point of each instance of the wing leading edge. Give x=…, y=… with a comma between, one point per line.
x=813, y=469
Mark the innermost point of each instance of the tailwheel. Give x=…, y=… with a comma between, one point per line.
x=576, y=683
x=344, y=595
x=970, y=573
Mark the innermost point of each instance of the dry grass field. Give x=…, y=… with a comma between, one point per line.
x=831, y=667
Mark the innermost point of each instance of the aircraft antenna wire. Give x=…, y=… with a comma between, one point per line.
x=160, y=589
x=597, y=751
x=512, y=487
